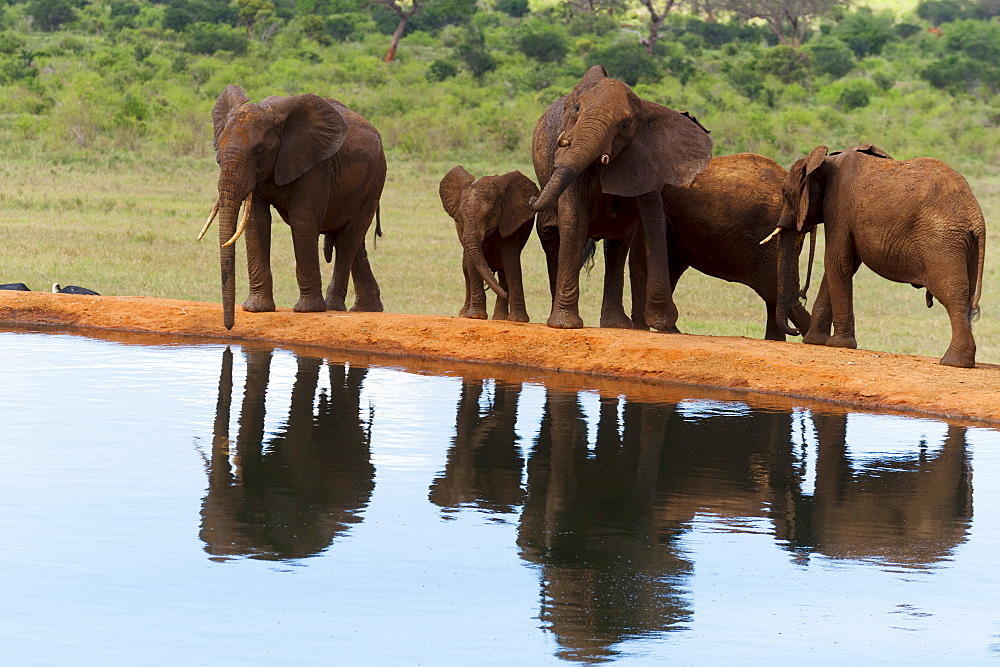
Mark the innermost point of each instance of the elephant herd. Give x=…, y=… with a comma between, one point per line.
x=611, y=166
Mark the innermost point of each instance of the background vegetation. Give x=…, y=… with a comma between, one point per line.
x=108, y=169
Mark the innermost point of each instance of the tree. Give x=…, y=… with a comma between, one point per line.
x=404, y=14
x=787, y=19
x=656, y=19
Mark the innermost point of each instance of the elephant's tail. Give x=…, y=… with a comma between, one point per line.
x=980, y=234
x=378, y=224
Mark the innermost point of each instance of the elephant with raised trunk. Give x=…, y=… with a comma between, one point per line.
x=493, y=221
x=322, y=167
x=602, y=155
x=913, y=221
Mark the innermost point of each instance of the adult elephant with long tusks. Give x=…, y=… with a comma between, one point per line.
x=322, y=167
x=913, y=221
x=602, y=154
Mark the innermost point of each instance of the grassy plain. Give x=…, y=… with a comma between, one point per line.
x=128, y=226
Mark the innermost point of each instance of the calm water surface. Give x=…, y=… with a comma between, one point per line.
x=208, y=504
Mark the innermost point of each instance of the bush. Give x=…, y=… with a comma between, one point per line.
x=866, y=32
x=472, y=51
x=439, y=70
x=50, y=15
x=545, y=43
x=515, y=8
x=939, y=11
x=208, y=38
x=831, y=56
x=855, y=94
x=787, y=64
x=626, y=61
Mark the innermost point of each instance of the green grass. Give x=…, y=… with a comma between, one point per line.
x=129, y=228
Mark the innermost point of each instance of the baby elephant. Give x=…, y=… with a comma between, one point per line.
x=493, y=221
x=913, y=221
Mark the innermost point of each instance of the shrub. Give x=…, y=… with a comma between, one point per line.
x=787, y=64
x=939, y=11
x=515, y=8
x=545, y=43
x=439, y=70
x=472, y=51
x=855, y=94
x=866, y=32
x=831, y=56
x=208, y=38
x=50, y=15
x=626, y=61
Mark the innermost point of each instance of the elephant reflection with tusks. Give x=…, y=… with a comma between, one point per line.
x=291, y=496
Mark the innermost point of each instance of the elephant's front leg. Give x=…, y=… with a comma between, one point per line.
x=565, y=313
x=475, y=293
x=822, y=318
x=501, y=309
x=258, y=244
x=838, y=274
x=305, y=234
x=661, y=313
x=612, y=310
x=510, y=255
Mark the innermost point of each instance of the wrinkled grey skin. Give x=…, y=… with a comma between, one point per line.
x=601, y=155
x=322, y=167
x=493, y=221
x=913, y=221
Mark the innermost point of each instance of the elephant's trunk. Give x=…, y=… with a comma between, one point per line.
x=227, y=258
x=588, y=142
x=788, y=279
x=556, y=185
x=473, y=245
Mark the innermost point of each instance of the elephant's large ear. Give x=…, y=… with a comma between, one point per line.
x=669, y=147
x=515, y=209
x=452, y=185
x=232, y=96
x=313, y=131
x=804, y=169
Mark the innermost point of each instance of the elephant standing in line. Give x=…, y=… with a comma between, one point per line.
x=322, y=167
x=715, y=225
x=913, y=221
x=493, y=221
x=602, y=154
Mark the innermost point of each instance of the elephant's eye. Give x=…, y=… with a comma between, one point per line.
x=625, y=125
x=576, y=108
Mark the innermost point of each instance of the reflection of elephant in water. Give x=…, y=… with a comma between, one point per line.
x=911, y=511
x=484, y=462
x=912, y=222
x=715, y=225
x=602, y=154
x=608, y=574
x=290, y=497
x=493, y=221
x=321, y=166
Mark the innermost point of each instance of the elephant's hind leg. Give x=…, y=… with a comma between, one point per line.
x=368, y=296
x=962, y=350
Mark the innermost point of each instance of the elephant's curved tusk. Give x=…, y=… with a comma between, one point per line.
x=605, y=158
x=770, y=236
x=211, y=217
x=562, y=141
x=243, y=222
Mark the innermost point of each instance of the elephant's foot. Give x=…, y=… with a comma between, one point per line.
x=518, y=316
x=959, y=358
x=257, y=303
x=562, y=319
x=664, y=326
x=310, y=305
x=815, y=338
x=367, y=306
x=474, y=314
x=615, y=320
x=842, y=341
x=668, y=329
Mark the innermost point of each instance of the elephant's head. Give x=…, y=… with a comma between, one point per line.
x=801, y=210
x=480, y=208
x=637, y=146
x=277, y=139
